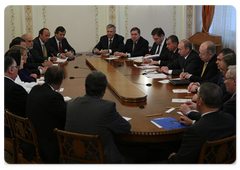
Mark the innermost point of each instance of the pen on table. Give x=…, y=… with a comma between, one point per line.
x=154, y=115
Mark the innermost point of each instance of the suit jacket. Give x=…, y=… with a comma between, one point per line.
x=213, y=126
x=94, y=116
x=47, y=110
x=116, y=44
x=230, y=106
x=164, y=48
x=210, y=71
x=141, y=48
x=167, y=57
x=37, y=51
x=192, y=63
x=31, y=65
x=14, y=97
x=54, y=46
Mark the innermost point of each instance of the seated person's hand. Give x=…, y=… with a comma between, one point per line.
x=146, y=61
x=53, y=59
x=164, y=69
x=154, y=63
x=96, y=51
x=62, y=56
x=184, y=108
x=185, y=120
x=192, y=87
x=103, y=51
x=47, y=63
x=33, y=75
x=191, y=105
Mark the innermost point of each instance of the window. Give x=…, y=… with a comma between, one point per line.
x=224, y=24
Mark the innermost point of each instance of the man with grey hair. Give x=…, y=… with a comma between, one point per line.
x=109, y=43
x=213, y=125
x=208, y=69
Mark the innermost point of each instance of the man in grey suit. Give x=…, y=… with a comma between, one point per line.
x=92, y=115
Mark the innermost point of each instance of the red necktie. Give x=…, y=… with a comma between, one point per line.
x=60, y=47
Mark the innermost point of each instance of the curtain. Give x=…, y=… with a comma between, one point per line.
x=207, y=17
x=224, y=24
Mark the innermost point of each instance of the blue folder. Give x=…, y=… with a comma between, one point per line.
x=168, y=123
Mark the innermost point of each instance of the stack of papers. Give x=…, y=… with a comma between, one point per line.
x=146, y=66
x=59, y=60
x=180, y=91
x=156, y=76
x=180, y=100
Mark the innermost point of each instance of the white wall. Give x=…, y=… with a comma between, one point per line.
x=86, y=24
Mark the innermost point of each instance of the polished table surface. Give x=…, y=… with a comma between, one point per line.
x=158, y=99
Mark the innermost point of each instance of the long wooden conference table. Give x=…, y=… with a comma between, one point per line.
x=129, y=90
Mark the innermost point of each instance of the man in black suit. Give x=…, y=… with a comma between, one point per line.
x=59, y=45
x=46, y=109
x=38, y=68
x=209, y=68
x=135, y=46
x=169, y=56
x=189, y=61
x=41, y=47
x=213, y=125
x=15, y=96
x=159, y=46
x=92, y=115
x=109, y=43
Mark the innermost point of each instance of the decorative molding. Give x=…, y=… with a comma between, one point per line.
x=189, y=21
x=12, y=21
x=28, y=19
x=96, y=24
x=174, y=19
x=112, y=14
x=44, y=7
x=126, y=21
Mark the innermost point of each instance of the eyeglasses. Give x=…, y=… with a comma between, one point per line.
x=15, y=67
x=224, y=79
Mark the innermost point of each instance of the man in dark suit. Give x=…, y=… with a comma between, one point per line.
x=189, y=61
x=109, y=43
x=159, y=46
x=41, y=47
x=38, y=68
x=15, y=96
x=59, y=45
x=92, y=115
x=209, y=68
x=169, y=56
x=135, y=46
x=46, y=109
x=213, y=125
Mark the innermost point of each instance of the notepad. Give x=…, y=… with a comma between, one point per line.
x=168, y=123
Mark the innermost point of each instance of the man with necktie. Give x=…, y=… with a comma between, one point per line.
x=59, y=45
x=135, y=46
x=109, y=43
x=209, y=68
x=159, y=46
x=41, y=48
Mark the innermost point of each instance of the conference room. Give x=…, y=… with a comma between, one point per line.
x=143, y=95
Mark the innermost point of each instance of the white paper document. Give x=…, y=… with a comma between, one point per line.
x=180, y=100
x=164, y=81
x=127, y=118
x=180, y=113
x=145, y=66
x=180, y=91
x=151, y=56
x=157, y=124
x=169, y=110
x=59, y=60
x=156, y=76
x=112, y=58
x=67, y=98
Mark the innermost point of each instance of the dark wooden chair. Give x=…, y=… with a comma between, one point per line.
x=79, y=148
x=222, y=151
x=25, y=136
x=9, y=142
